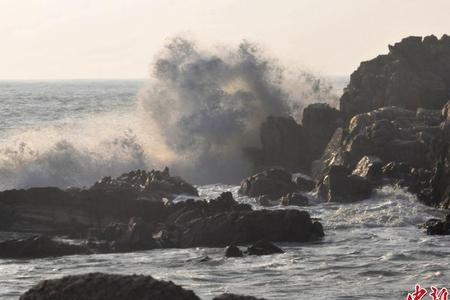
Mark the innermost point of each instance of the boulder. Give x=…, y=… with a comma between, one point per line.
x=415, y=73
x=38, y=247
x=236, y=297
x=338, y=185
x=272, y=183
x=296, y=199
x=99, y=286
x=263, y=247
x=233, y=251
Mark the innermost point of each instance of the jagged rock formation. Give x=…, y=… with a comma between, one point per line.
x=415, y=74
x=152, y=185
x=54, y=211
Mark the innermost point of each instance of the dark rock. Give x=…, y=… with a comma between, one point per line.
x=369, y=167
x=236, y=297
x=233, y=251
x=38, y=247
x=415, y=73
x=137, y=237
x=272, y=183
x=153, y=184
x=244, y=227
x=438, y=227
x=283, y=143
x=296, y=199
x=339, y=186
x=99, y=286
x=389, y=133
x=304, y=184
x=263, y=247
x=266, y=201
x=319, y=123
x=73, y=212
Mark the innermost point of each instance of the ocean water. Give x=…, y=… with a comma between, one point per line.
x=372, y=249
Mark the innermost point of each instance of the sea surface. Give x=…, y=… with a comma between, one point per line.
x=372, y=249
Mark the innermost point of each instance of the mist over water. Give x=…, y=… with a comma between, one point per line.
x=197, y=112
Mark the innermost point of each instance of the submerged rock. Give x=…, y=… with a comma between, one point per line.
x=233, y=251
x=100, y=286
x=273, y=183
x=263, y=247
x=236, y=297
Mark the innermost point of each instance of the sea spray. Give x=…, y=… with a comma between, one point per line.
x=208, y=106
x=196, y=114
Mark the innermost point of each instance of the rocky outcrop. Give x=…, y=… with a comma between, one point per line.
x=339, y=185
x=319, y=123
x=73, y=212
x=272, y=183
x=391, y=134
x=415, y=74
x=438, y=227
x=153, y=185
x=287, y=144
x=99, y=286
x=39, y=247
x=283, y=143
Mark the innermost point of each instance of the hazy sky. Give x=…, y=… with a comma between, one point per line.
x=60, y=39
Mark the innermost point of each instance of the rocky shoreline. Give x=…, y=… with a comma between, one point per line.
x=392, y=128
